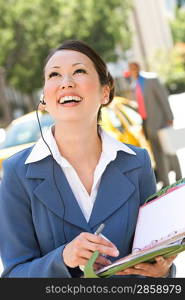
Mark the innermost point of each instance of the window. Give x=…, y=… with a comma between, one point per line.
x=25, y=131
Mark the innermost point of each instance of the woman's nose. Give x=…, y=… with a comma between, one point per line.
x=67, y=82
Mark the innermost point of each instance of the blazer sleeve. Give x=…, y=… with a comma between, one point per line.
x=147, y=183
x=19, y=248
x=162, y=96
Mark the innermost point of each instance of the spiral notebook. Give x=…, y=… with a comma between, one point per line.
x=160, y=230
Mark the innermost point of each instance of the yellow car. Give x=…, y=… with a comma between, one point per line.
x=119, y=119
x=22, y=133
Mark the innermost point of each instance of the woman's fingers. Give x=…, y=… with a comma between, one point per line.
x=84, y=245
x=158, y=269
x=103, y=261
x=170, y=259
x=97, y=239
x=106, y=250
x=94, y=242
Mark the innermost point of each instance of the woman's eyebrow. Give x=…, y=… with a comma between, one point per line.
x=56, y=67
x=78, y=63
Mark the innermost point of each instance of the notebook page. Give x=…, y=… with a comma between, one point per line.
x=160, y=219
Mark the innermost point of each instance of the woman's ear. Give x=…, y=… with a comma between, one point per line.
x=106, y=92
x=42, y=107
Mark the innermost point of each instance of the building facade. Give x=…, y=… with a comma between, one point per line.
x=151, y=30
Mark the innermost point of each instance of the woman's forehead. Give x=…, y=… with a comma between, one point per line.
x=69, y=58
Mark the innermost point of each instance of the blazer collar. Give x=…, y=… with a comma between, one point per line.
x=114, y=190
x=55, y=192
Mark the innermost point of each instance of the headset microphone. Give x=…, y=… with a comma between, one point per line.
x=53, y=162
x=42, y=100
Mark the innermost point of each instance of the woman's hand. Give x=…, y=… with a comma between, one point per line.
x=79, y=250
x=170, y=123
x=160, y=268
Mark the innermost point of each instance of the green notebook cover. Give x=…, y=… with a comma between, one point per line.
x=112, y=270
x=165, y=250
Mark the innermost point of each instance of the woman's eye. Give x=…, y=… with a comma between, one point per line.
x=54, y=74
x=80, y=71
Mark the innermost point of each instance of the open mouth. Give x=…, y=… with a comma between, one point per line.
x=70, y=99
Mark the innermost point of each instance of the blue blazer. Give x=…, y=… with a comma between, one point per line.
x=39, y=216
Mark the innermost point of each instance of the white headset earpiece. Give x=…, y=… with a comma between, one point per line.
x=42, y=99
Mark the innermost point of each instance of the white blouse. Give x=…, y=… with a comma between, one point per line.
x=110, y=147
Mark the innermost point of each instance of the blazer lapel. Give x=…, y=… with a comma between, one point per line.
x=56, y=193
x=115, y=188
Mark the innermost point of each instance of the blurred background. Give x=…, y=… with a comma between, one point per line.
x=150, y=32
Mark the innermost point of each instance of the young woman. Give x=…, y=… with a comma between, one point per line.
x=55, y=194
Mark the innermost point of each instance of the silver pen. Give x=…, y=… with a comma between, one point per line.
x=99, y=229
x=97, y=232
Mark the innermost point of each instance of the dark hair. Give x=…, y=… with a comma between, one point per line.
x=100, y=66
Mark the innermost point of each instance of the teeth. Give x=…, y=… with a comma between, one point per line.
x=69, y=98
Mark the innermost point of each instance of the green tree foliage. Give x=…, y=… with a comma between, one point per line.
x=29, y=29
x=180, y=3
x=175, y=78
x=170, y=66
x=178, y=25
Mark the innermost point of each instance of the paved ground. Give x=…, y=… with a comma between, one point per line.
x=177, y=103
x=180, y=265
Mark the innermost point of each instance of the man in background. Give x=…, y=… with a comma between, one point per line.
x=154, y=108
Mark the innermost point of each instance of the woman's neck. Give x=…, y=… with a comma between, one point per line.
x=78, y=144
